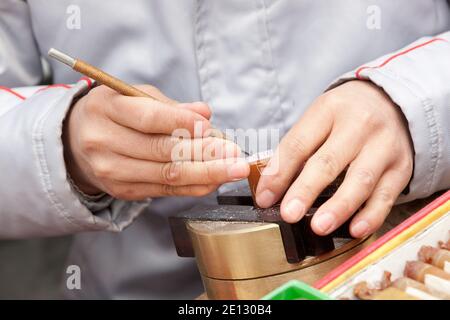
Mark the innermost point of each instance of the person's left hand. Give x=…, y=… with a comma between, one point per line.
x=355, y=125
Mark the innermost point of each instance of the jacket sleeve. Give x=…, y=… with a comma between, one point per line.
x=36, y=196
x=417, y=78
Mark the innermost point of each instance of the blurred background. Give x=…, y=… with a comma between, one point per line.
x=32, y=269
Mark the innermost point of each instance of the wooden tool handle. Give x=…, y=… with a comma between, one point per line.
x=108, y=80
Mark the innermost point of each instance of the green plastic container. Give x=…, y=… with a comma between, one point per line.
x=296, y=290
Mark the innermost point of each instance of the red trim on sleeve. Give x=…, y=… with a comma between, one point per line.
x=88, y=80
x=21, y=97
x=66, y=86
x=358, y=72
x=54, y=86
x=58, y=85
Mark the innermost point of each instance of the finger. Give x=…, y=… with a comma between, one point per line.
x=172, y=173
x=380, y=203
x=294, y=149
x=140, y=191
x=150, y=116
x=198, y=107
x=360, y=180
x=164, y=148
x=319, y=172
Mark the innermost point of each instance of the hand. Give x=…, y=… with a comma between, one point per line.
x=123, y=146
x=355, y=125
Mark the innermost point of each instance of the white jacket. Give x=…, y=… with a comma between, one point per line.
x=258, y=63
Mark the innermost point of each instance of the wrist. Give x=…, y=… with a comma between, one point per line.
x=74, y=166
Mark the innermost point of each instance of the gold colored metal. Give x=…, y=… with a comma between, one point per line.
x=236, y=250
x=250, y=289
x=246, y=260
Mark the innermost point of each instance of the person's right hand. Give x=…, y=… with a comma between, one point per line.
x=123, y=146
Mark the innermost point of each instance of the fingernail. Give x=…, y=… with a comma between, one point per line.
x=360, y=229
x=199, y=103
x=238, y=170
x=294, y=210
x=265, y=199
x=324, y=222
